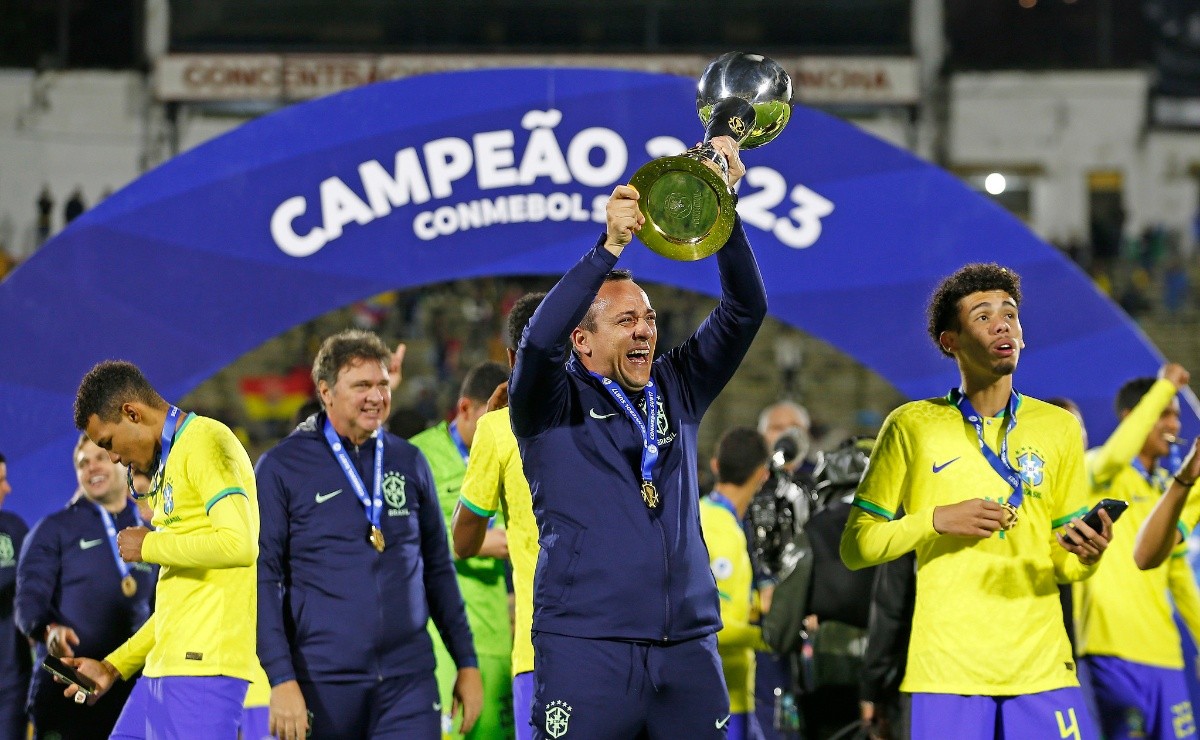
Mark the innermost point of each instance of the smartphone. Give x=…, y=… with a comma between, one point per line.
x=1114, y=507
x=69, y=674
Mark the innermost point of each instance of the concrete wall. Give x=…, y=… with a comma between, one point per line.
x=1063, y=125
x=64, y=130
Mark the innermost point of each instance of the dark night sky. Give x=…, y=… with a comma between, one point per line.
x=982, y=34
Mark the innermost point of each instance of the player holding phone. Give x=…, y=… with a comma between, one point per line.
x=987, y=478
x=1125, y=633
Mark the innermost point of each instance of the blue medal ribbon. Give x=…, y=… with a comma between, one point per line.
x=166, y=440
x=458, y=441
x=648, y=427
x=999, y=463
x=724, y=503
x=110, y=530
x=1159, y=479
x=373, y=504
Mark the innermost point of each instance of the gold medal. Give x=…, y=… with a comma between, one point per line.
x=1010, y=516
x=649, y=494
x=376, y=538
x=128, y=586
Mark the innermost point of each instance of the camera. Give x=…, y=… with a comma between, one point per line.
x=781, y=507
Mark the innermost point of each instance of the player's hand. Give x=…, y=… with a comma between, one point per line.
x=129, y=543
x=974, y=517
x=1087, y=544
x=499, y=397
x=729, y=149
x=396, y=366
x=623, y=218
x=1175, y=373
x=102, y=673
x=288, y=716
x=468, y=696
x=61, y=641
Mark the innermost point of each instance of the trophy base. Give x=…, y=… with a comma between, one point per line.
x=688, y=207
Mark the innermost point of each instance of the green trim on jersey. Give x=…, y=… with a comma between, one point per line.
x=475, y=509
x=872, y=508
x=1056, y=523
x=212, y=501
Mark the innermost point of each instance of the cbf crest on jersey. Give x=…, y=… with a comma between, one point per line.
x=168, y=500
x=8, y=555
x=558, y=717
x=394, y=495
x=1031, y=467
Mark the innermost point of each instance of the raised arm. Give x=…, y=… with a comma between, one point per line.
x=711, y=356
x=1173, y=516
x=1127, y=439
x=538, y=387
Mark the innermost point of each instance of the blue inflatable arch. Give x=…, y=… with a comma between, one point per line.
x=503, y=172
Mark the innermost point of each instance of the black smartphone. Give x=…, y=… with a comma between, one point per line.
x=69, y=674
x=1114, y=507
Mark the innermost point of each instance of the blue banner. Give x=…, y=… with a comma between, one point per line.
x=505, y=172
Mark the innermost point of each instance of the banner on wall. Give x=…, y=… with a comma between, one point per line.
x=505, y=172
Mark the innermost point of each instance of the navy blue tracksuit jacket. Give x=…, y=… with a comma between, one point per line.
x=610, y=567
x=331, y=608
x=68, y=576
x=14, y=650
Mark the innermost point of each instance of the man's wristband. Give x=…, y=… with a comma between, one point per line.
x=1185, y=483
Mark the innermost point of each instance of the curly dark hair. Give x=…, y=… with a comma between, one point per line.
x=344, y=348
x=107, y=386
x=972, y=278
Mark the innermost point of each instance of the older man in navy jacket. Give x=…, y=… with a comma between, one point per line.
x=625, y=606
x=353, y=562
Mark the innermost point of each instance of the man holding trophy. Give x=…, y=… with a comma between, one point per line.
x=625, y=606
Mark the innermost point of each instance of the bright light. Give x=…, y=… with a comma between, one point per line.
x=994, y=183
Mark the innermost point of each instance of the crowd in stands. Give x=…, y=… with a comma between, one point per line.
x=1150, y=273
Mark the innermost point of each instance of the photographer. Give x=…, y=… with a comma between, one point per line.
x=776, y=513
x=821, y=608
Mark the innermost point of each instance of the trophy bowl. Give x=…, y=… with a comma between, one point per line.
x=757, y=80
x=686, y=199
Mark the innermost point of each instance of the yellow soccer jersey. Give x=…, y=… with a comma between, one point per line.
x=730, y=563
x=1123, y=611
x=988, y=619
x=206, y=540
x=495, y=479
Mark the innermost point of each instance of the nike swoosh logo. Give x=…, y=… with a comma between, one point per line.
x=88, y=544
x=939, y=468
x=601, y=416
x=437, y=706
x=323, y=497
x=722, y=722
